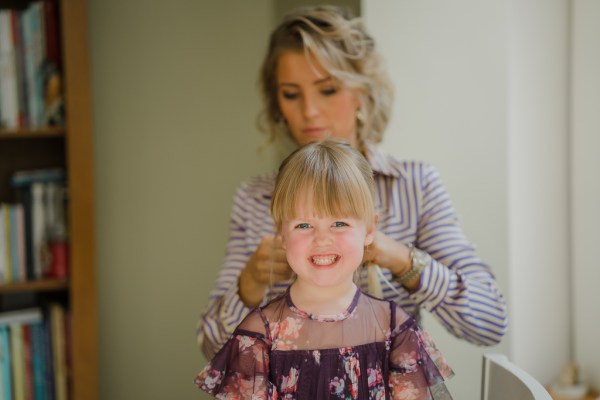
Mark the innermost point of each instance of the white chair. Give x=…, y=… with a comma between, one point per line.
x=503, y=380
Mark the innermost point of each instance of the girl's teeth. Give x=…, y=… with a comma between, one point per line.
x=324, y=260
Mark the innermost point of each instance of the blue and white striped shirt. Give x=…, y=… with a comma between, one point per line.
x=457, y=287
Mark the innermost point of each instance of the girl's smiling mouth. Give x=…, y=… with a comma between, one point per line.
x=324, y=260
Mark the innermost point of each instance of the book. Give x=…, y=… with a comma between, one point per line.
x=5, y=364
x=34, y=47
x=17, y=361
x=16, y=242
x=42, y=193
x=27, y=363
x=56, y=230
x=20, y=238
x=38, y=228
x=4, y=273
x=5, y=221
x=17, y=32
x=38, y=361
x=9, y=96
x=47, y=355
x=57, y=326
x=25, y=178
x=23, y=316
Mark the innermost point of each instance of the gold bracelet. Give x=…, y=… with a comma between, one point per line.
x=419, y=260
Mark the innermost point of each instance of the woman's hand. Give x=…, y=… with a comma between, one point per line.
x=267, y=265
x=388, y=253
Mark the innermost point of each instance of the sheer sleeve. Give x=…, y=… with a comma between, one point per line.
x=417, y=368
x=239, y=370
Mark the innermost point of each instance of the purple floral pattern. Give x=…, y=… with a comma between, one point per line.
x=282, y=353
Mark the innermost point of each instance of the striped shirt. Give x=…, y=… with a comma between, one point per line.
x=457, y=288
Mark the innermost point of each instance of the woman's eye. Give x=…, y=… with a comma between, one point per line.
x=290, y=95
x=329, y=91
x=339, y=224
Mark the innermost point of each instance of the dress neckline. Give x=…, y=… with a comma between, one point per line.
x=323, y=317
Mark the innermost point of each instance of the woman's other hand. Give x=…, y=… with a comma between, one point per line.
x=388, y=253
x=267, y=265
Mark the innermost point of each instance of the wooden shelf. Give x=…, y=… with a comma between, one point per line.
x=71, y=148
x=46, y=285
x=31, y=133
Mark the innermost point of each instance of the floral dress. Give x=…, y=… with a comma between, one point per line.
x=373, y=350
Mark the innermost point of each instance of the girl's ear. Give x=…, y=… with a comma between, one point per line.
x=371, y=230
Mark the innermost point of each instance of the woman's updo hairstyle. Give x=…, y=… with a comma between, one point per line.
x=342, y=46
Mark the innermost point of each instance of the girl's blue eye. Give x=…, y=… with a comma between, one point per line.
x=303, y=226
x=339, y=224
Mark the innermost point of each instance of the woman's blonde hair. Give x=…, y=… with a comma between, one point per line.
x=343, y=47
x=335, y=175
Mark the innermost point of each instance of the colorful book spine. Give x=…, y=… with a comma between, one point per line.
x=4, y=277
x=38, y=361
x=38, y=231
x=27, y=363
x=20, y=238
x=5, y=364
x=9, y=96
x=5, y=221
x=57, y=319
x=17, y=361
x=48, y=356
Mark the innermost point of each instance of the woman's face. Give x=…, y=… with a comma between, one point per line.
x=313, y=103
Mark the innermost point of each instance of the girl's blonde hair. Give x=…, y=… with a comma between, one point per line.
x=336, y=175
x=340, y=182
x=343, y=47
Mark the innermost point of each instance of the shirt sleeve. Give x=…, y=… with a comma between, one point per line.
x=417, y=368
x=225, y=309
x=239, y=370
x=457, y=287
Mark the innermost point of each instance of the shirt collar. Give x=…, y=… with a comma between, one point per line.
x=381, y=162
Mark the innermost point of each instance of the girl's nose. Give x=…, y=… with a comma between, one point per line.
x=322, y=238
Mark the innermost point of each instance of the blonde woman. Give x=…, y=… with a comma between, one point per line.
x=322, y=78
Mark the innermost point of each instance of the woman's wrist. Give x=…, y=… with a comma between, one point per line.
x=401, y=263
x=418, y=261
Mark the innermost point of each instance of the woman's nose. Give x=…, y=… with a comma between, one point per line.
x=310, y=107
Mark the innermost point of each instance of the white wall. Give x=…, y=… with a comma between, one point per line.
x=448, y=62
x=512, y=90
x=585, y=158
x=539, y=229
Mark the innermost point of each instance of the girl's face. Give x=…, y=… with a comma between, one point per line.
x=314, y=104
x=324, y=251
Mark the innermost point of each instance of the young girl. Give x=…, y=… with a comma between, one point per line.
x=324, y=338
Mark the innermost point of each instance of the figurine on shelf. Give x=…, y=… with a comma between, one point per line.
x=54, y=110
x=569, y=385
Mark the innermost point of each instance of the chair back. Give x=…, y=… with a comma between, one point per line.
x=503, y=380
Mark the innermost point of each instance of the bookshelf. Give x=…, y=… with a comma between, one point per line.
x=70, y=147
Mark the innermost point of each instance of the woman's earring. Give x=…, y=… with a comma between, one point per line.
x=360, y=116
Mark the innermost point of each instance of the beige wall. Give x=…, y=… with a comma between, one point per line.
x=175, y=101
